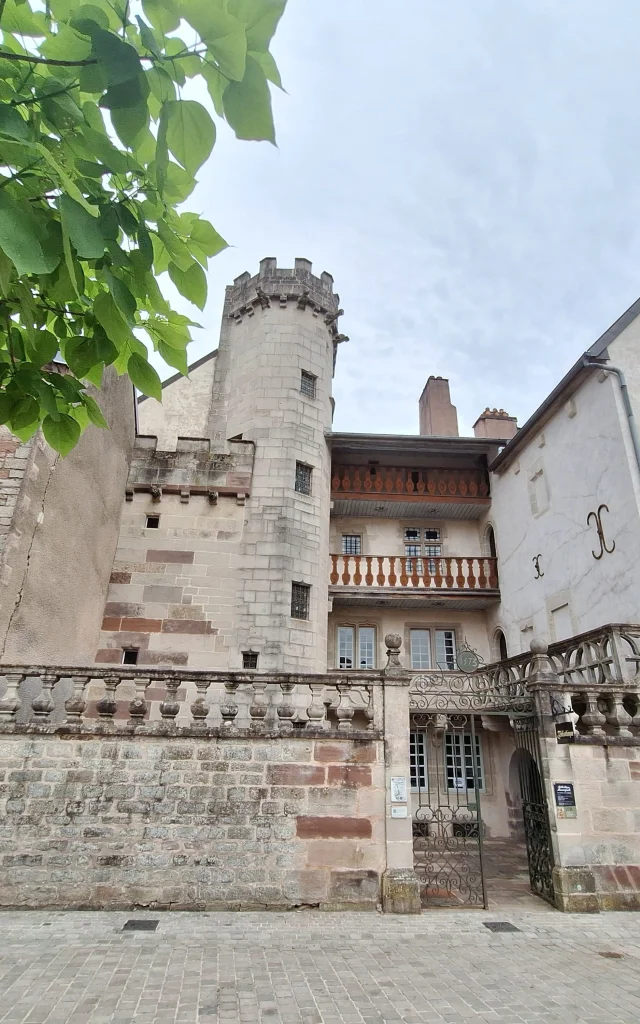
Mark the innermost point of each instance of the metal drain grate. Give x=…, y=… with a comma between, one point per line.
x=500, y=926
x=140, y=925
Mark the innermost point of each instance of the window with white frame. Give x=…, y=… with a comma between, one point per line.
x=356, y=647
x=420, y=648
x=412, y=551
x=463, y=764
x=418, y=542
x=418, y=760
x=351, y=544
x=446, y=649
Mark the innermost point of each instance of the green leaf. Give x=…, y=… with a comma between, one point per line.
x=95, y=413
x=247, y=105
x=83, y=230
x=190, y=133
x=20, y=237
x=207, y=238
x=22, y=21
x=191, y=283
x=87, y=16
x=12, y=124
x=144, y=377
x=161, y=84
x=174, y=357
x=129, y=123
x=109, y=318
x=66, y=44
x=223, y=34
x=268, y=65
x=7, y=405
x=127, y=94
x=179, y=184
x=120, y=60
x=44, y=349
x=80, y=355
x=216, y=84
x=62, y=434
x=162, y=149
x=261, y=18
x=25, y=411
x=123, y=298
x=164, y=15
x=148, y=38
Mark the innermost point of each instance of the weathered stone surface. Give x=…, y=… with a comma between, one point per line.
x=400, y=891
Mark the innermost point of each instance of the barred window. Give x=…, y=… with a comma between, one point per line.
x=249, y=659
x=418, y=760
x=461, y=764
x=308, y=384
x=351, y=544
x=303, y=478
x=412, y=533
x=446, y=649
x=432, y=534
x=300, y=593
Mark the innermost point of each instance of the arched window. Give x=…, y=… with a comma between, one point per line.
x=491, y=541
x=500, y=646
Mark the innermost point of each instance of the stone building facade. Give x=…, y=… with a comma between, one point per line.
x=282, y=665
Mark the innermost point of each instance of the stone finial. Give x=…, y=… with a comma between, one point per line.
x=538, y=646
x=394, y=666
x=393, y=642
x=542, y=669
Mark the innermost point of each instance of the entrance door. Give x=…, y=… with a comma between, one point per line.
x=535, y=812
x=447, y=780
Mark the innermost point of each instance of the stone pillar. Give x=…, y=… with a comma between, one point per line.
x=400, y=886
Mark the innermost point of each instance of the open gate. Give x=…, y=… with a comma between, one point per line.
x=447, y=781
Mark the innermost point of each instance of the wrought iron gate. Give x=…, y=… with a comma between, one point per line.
x=447, y=827
x=535, y=811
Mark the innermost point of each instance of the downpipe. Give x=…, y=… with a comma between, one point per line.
x=626, y=401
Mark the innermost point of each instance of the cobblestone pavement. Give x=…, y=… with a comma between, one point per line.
x=314, y=968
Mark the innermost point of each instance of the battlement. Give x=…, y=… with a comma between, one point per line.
x=282, y=285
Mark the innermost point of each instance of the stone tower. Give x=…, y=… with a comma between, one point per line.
x=272, y=387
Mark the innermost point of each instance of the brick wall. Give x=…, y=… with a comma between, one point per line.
x=13, y=465
x=194, y=823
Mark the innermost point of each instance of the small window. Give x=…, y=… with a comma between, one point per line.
x=418, y=760
x=303, y=478
x=153, y=522
x=446, y=649
x=130, y=656
x=366, y=637
x=463, y=768
x=249, y=659
x=351, y=544
x=420, y=648
x=412, y=535
x=308, y=384
x=432, y=535
x=300, y=600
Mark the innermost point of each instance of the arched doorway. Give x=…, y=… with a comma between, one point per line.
x=529, y=812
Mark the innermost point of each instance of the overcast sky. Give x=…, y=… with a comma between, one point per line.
x=468, y=171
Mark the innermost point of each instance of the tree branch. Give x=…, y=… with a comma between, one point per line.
x=44, y=96
x=5, y=55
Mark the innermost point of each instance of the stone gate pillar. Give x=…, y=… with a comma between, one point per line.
x=400, y=886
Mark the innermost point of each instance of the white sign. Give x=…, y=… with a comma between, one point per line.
x=398, y=789
x=399, y=812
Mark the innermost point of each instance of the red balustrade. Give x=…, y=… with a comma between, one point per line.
x=389, y=482
x=477, y=572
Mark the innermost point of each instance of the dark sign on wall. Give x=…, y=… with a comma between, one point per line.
x=564, y=794
x=565, y=733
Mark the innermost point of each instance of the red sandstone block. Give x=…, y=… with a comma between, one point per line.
x=295, y=775
x=633, y=871
x=188, y=626
x=622, y=878
x=308, y=827
x=349, y=775
x=110, y=622
x=120, y=577
x=4, y=474
x=363, y=753
x=109, y=655
x=186, y=557
x=635, y=769
x=142, y=625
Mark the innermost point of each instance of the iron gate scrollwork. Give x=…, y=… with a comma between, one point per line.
x=447, y=825
x=535, y=811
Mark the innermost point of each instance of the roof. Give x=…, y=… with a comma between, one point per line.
x=407, y=444
x=180, y=376
x=567, y=386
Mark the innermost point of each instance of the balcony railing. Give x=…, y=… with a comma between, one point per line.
x=401, y=481
x=463, y=573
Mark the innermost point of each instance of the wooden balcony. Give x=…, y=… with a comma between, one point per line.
x=451, y=492
x=397, y=581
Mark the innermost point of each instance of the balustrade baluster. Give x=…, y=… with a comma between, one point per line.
x=368, y=711
x=493, y=572
x=593, y=719
x=199, y=708
x=139, y=705
x=368, y=483
x=229, y=706
x=346, y=575
x=380, y=578
x=357, y=483
x=357, y=577
x=618, y=717
x=108, y=705
x=44, y=704
x=421, y=482
x=258, y=707
x=286, y=709
x=388, y=481
x=415, y=579
x=426, y=575
x=335, y=481
x=448, y=574
x=368, y=579
x=170, y=706
x=399, y=483
x=10, y=702
x=460, y=579
x=345, y=710
x=482, y=575
x=437, y=576
x=471, y=579
x=334, y=577
x=404, y=579
x=316, y=710
x=392, y=571
x=378, y=482
x=635, y=721
x=76, y=704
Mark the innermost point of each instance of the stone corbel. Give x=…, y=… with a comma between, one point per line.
x=212, y=497
x=283, y=301
x=128, y=494
x=156, y=493
x=241, y=499
x=185, y=494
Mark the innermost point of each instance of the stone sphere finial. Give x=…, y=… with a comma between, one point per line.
x=393, y=641
x=538, y=646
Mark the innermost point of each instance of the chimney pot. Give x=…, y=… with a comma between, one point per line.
x=496, y=423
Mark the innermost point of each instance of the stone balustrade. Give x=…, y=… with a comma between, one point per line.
x=122, y=697
x=439, y=573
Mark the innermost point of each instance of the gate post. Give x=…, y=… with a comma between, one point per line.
x=400, y=885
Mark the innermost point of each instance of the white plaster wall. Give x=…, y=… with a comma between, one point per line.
x=585, y=456
x=184, y=410
x=625, y=353
x=459, y=537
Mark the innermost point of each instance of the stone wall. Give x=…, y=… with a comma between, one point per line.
x=13, y=465
x=185, y=407
x=99, y=821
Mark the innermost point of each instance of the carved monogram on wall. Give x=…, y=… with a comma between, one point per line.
x=597, y=519
x=536, y=563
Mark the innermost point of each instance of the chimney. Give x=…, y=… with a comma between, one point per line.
x=496, y=423
x=438, y=417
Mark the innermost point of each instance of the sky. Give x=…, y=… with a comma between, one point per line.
x=468, y=171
